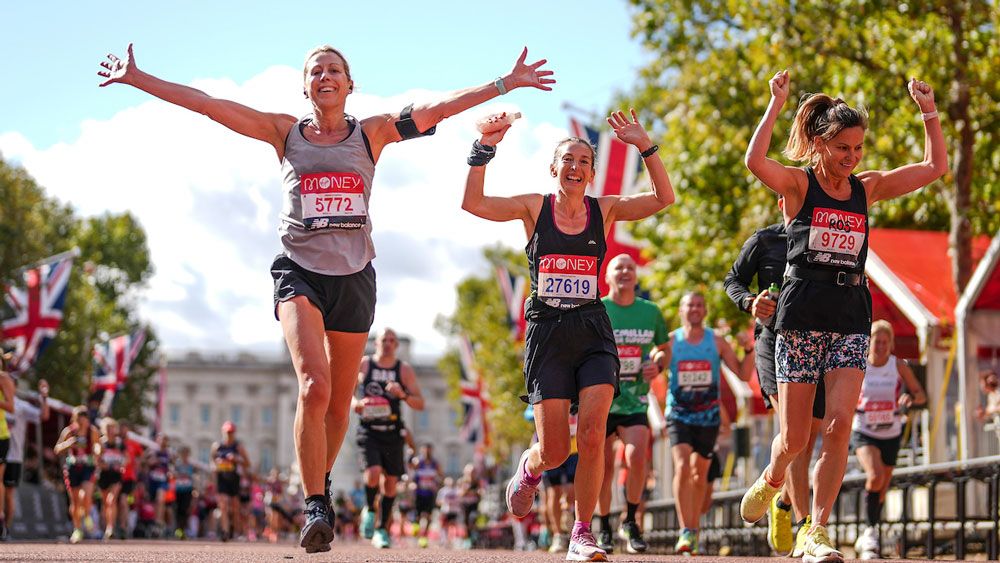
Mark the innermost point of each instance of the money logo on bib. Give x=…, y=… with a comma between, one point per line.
x=694, y=373
x=566, y=281
x=333, y=200
x=375, y=408
x=836, y=237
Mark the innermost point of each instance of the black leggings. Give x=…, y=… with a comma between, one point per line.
x=183, y=509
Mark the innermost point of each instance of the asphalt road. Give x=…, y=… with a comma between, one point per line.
x=215, y=552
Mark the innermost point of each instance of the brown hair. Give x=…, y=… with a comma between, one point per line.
x=571, y=140
x=820, y=116
x=325, y=49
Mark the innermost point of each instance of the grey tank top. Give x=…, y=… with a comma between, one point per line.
x=325, y=227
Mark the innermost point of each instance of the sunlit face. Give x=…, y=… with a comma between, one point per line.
x=326, y=79
x=841, y=154
x=386, y=343
x=693, y=309
x=574, y=166
x=621, y=273
x=880, y=346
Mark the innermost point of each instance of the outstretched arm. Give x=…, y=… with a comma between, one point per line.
x=642, y=205
x=381, y=129
x=882, y=185
x=271, y=128
x=496, y=208
x=776, y=176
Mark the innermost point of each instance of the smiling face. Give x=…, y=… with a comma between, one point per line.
x=327, y=79
x=693, y=309
x=840, y=155
x=621, y=274
x=573, y=164
x=879, y=347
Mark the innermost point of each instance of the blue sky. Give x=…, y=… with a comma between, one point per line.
x=209, y=199
x=54, y=49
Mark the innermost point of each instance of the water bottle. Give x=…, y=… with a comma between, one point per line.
x=484, y=125
x=772, y=294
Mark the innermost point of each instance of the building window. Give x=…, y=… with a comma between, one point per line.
x=267, y=416
x=423, y=420
x=236, y=414
x=206, y=414
x=453, y=464
x=266, y=459
x=175, y=414
x=203, y=454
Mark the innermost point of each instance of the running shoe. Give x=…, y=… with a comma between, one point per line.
x=88, y=524
x=582, y=547
x=381, y=539
x=800, y=537
x=559, y=543
x=76, y=536
x=819, y=548
x=422, y=542
x=867, y=546
x=779, y=528
x=629, y=531
x=606, y=541
x=757, y=499
x=317, y=534
x=108, y=534
x=685, y=543
x=4, y=532
x=521, y=489
x=367, y=523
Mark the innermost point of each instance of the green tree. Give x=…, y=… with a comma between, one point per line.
x=706, y=88
x=114, y=262
x=481, y=315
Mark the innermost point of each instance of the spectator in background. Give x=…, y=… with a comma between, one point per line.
x=17, y=422
x=989, y=384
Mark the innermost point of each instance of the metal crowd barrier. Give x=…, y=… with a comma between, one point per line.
x=922, y=530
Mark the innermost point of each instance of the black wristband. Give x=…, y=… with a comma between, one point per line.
x=481, y=154
x=650, y=151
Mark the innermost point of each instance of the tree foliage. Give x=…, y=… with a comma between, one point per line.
x=481, y=315
x=114, y=263
x=706, y=88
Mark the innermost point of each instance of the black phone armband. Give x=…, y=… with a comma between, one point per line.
x=407, y=128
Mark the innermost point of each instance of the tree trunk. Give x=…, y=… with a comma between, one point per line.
x=960, y=235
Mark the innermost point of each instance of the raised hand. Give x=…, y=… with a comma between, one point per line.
x=491, y=138
x=116, y=69
x=631, y=132
x=529, y=74
x=779, y=85
x=922, y=93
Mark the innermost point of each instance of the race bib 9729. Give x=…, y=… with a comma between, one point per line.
x=333, y=200
x=836, y=237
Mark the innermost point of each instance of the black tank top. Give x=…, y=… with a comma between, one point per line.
x=223, y=462
x=827, y=234
x=381, y=412
x=564, y=267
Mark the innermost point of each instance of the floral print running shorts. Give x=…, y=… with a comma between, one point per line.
x=804, y=356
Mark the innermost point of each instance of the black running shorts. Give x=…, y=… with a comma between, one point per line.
x=700, y=438
x=382, y=449
x=228, y=483
x=564, y=354
x=346, y=302
x=887, y=447
x=764, y=347
x=625, y=421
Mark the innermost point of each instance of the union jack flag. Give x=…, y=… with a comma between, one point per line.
x=618, y=167
x=37, y=309
x=515, y=290
x=113, y=360
x=475, y=404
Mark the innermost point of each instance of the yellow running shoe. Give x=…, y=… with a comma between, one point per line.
x=757, y=499
x=800, y=537
x=779, y=527
x=819, y=548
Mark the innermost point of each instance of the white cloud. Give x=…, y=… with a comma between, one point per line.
x=209, y=200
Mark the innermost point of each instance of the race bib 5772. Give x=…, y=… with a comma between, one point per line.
x=333, y=200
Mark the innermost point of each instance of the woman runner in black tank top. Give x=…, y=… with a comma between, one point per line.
x=824, y=311
x=570, y=353
x=325, y=316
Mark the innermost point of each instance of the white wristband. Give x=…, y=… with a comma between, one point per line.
x=929, y=115
x=500, y=85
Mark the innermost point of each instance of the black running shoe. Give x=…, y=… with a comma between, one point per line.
x=605, y=541
x=317, y=533
x=634, y=543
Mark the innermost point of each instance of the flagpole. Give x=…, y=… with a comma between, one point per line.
x=572, y=108
x=71, y=253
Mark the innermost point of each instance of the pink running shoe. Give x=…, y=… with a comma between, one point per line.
x=521, y=489
x=583, y=547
